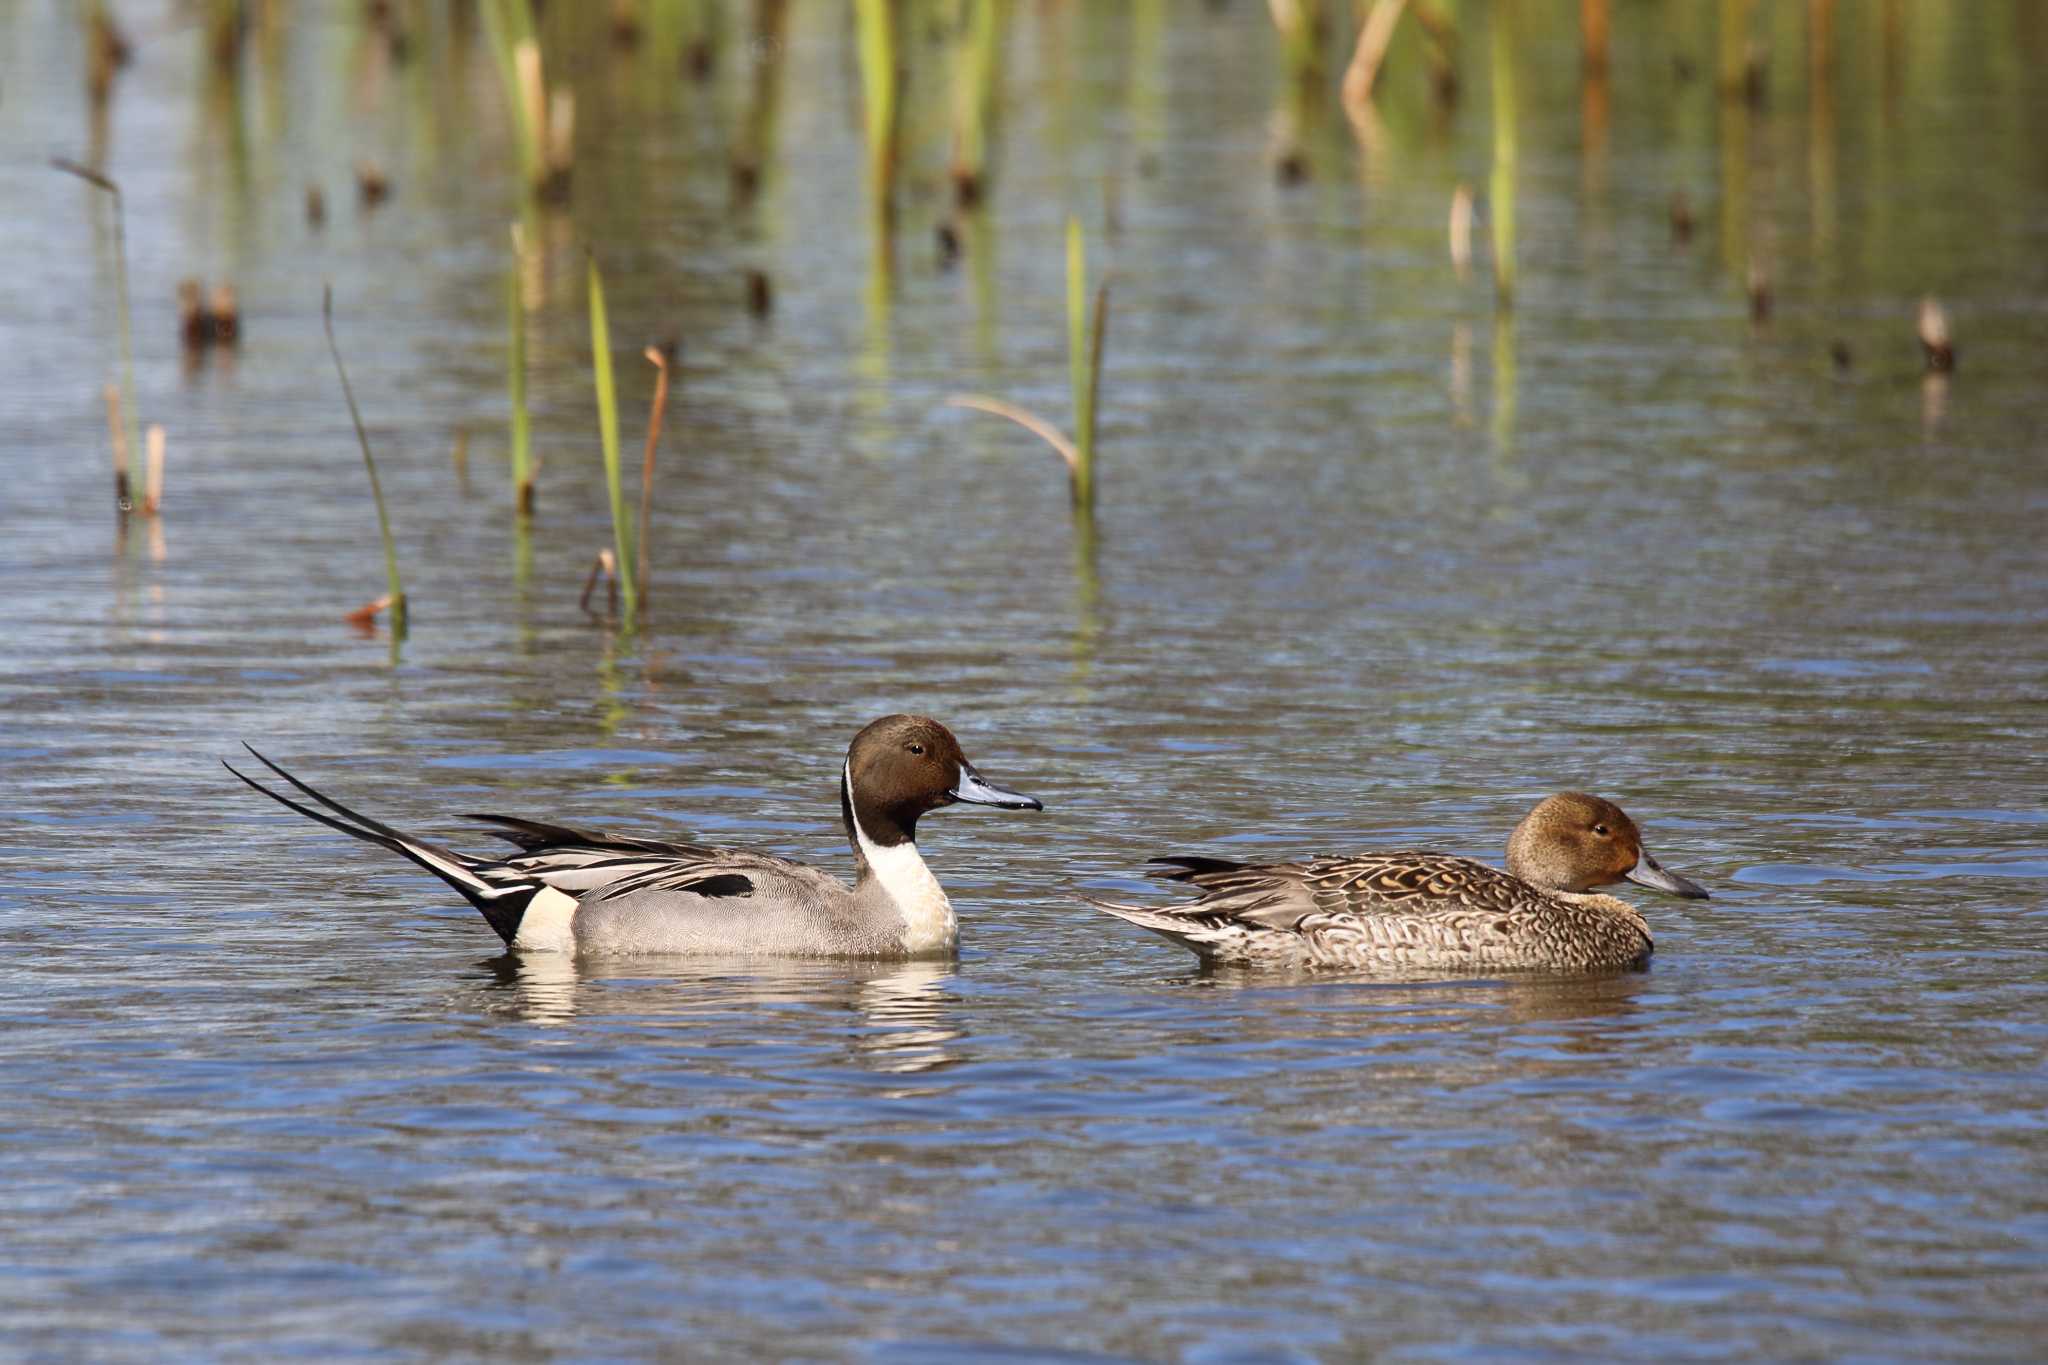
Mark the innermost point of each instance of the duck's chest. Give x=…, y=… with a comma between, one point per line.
x=899, y=874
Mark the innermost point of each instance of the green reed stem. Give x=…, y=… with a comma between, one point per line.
x=877, y=23
x=515, y=383
x=608, y=432
x=508, y=24
x=974, y=82
x=1084, y=364
x=396, y=588
x=1501, y=188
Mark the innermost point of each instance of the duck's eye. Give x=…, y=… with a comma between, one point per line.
x=917, y=749
x=1600, y=830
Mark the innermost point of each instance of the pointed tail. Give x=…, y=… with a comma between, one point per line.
x=501, y=894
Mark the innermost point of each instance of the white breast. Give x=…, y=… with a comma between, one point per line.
x=929, y=925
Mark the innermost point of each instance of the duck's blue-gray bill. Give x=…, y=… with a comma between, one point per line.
x=1649, y=874
x=977, y=790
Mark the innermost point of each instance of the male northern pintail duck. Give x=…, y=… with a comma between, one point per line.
x=567, y=890
x=1429, y=911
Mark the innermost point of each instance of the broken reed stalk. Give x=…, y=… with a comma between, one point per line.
x=660, y=363
x=606, y=568
x=1373, y=36
x=153, y=491
x=364, y=618
x=1935, y=343
x=608, y=433
x=877, y=22
x=1025, y=418
x=561, y=145
x=129, y=438
x=107, y=51
x=1461, y=231
x=973, y=86
x=1501, y=197
x=1085, y=344
x=395, y=598
x=515, y=382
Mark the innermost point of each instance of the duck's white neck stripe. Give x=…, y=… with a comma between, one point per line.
x=928, y=922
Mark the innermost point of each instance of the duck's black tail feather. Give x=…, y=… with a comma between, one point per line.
x=499, y=893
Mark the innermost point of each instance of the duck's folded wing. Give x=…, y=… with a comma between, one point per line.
x=716, y=874
x=1411, y=881
x=1297, y=896
x=579, y=861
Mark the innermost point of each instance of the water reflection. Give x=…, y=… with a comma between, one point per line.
x=901, y=1010
x=1504, y=383
x=1352, y=1002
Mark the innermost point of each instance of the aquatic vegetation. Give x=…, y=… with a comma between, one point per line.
x=515, y=384
x=1303, y=27
x=1593, y=31
x=153, y=489
x=107, y=51
x=224, y=24
x=608, y=435
x=121, y=414
x=208, y=318
x=1085, y=339
x=373, y=183
x=877, y=24
x=753, y=140
x=1935, y=345
x=659, y=406
x=394, y=598
x=1371, y=50
x=1460, y=231
x=975, y=72
x=1500, y=208
x=118, y=442
x=544, y=123
x=1084, y=361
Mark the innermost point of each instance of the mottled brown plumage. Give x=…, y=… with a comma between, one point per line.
x=1412, y=909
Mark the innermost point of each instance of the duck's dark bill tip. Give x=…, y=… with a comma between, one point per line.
x=976, y=790
x=1648, y=873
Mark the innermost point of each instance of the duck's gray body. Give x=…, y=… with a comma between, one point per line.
x=573, y=891
x=634, y=897
x=1406, y=910
x=802, y=913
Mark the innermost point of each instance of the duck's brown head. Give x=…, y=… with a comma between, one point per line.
x=899, y=767
x=1575, y=842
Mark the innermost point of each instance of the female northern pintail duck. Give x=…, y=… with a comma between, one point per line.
x=571, y=891
x=1429, y=911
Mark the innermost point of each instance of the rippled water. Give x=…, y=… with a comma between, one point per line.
x=1372, y=568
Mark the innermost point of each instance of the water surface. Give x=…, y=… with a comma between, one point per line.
x=1373, y=566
